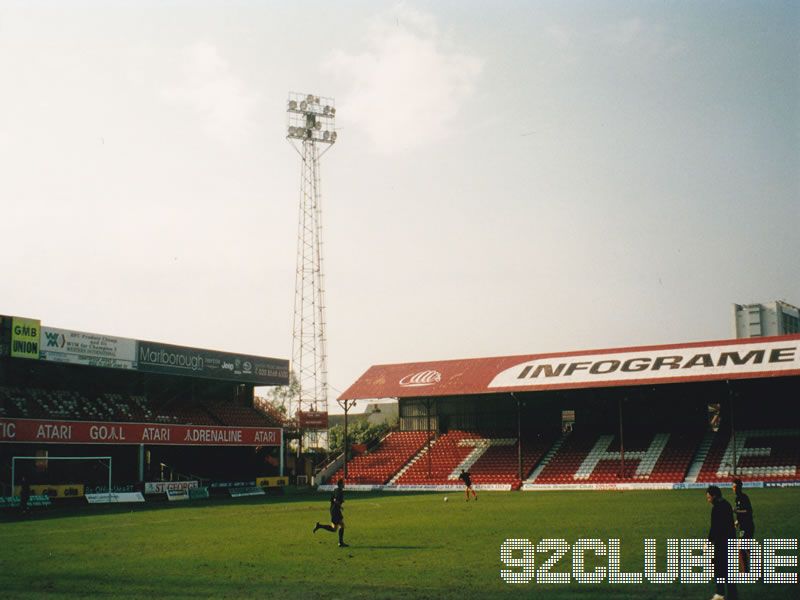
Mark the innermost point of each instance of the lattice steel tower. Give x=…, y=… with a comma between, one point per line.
x=311, y=124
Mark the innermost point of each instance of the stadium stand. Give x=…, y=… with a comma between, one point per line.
x=761, y=454
x=491, y=458
x=594, y=457
x=33, y=403
x=231, y=414
x=265, y=406
x=378, y=466
x=446, y=453
x=591, y=457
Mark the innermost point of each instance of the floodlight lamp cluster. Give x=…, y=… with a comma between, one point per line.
x=311, y=118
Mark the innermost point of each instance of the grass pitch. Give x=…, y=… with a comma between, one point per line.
x=401, y=546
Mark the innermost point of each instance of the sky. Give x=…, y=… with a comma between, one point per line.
x=511, y=177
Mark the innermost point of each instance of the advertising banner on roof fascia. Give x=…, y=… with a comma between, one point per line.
x=89, y=349
x=25, y=337
x=47, y=431
x=194, y=362
x=667, y=364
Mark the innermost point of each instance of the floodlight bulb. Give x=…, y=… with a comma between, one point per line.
x=293, y=104
x=333, y=136
x=327, y=109
x=303, y=105
x=333, y=111
x=326, y=135
x=310, y=98
x=317, y=125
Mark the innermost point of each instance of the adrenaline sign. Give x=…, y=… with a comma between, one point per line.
x=87, y=432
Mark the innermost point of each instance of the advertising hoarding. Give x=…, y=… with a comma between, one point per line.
x=312, y=419
x=25, y=337
x=196, y=362
x=88, y=349
x=49, y=431
x=64, y=490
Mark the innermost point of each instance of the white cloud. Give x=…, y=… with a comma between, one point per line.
x=209, y=88
x=410, y=84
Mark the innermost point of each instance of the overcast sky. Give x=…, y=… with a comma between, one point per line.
x=509, y=178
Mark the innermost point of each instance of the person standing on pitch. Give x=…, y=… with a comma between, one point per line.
x=722, y=530
x=337, y=519
x=744, y=520
x=465, y=477
x=25, y=497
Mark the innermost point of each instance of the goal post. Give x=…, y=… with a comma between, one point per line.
x=14, y=460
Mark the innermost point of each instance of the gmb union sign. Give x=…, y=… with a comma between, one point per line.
x=87, y=432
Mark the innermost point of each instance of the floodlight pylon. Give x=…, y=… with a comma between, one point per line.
x=310, y=124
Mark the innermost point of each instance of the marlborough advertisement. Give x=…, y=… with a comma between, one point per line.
x=179, y=360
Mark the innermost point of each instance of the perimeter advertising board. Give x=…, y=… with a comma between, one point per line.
x=66, y=490
x=89, y=349
x=195, y=362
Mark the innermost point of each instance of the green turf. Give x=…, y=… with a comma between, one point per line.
x=401, y=546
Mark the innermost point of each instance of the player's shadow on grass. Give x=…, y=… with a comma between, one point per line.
x=357, y=546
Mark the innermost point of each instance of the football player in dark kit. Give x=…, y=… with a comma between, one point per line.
x=337, y=519
x=25, y=497
x=744, y=520
x=722, y=530
x=465, y=477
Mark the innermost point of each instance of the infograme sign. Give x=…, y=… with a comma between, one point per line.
x=179, y=360
x=89, y=349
